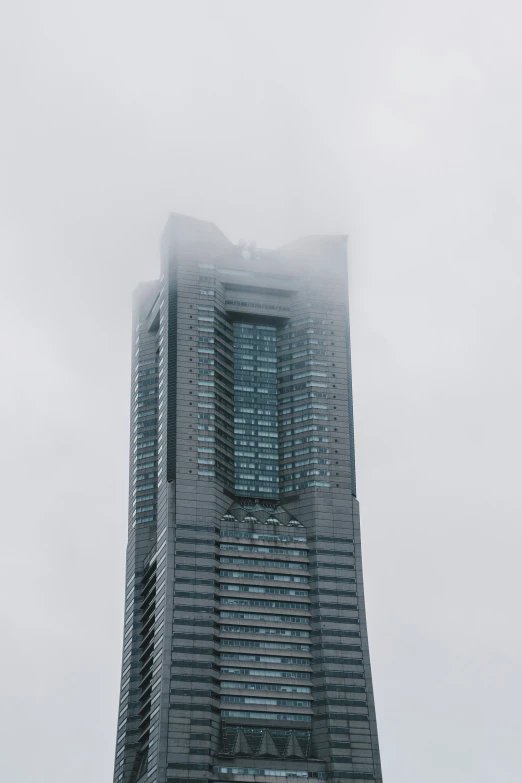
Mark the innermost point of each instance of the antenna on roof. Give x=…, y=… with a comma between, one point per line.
x=248, y=250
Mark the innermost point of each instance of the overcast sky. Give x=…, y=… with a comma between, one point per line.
x=399, y=123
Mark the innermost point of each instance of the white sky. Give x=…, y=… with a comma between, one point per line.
x=396, y=122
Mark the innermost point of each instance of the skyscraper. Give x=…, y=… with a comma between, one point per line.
x=245, y=651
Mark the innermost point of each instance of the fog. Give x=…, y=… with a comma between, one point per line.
x=398, y=123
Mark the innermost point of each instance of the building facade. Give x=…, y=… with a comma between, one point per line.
x=245, y=652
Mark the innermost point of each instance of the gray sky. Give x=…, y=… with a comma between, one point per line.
x=396, y=122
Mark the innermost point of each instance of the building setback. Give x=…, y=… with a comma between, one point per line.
x=245, y=652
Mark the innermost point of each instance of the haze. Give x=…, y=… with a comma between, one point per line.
x=398, y=123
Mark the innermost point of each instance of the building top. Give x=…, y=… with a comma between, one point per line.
x=199, y=240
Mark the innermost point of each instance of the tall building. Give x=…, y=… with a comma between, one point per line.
x=245, y=651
